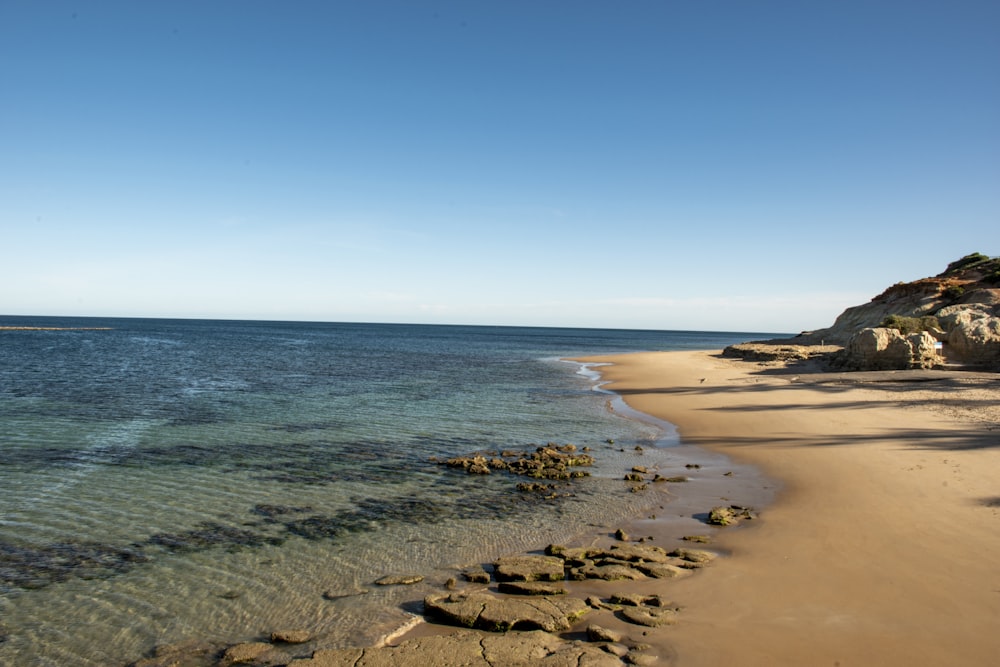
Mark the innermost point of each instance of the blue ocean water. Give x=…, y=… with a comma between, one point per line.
x=162, y=480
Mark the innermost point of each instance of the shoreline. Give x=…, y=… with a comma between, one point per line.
x=882, y=544
x=876, y=541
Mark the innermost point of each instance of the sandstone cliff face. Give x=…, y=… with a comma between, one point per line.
x=974, y=335
x=881, y=349
x=965, y=299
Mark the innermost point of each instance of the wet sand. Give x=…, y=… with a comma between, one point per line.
x=883, y=546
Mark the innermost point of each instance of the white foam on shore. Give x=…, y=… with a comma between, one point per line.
x=668, y=436
x=407, y=625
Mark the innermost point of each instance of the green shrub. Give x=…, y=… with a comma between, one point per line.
x=954, y=292
x=909, y=325
x=966, y=262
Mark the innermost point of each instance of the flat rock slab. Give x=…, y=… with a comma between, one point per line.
x=652, y=617
x=693, y=556
x=529, y=568
x=488, y=612
x=638, y=600
x=607, y=572
x=662, y=570
x=290, y=636
x=400, y=580
x=532, y=588
x=256, y=653
x=470, y=649
x=639, y=552
x=189, y=652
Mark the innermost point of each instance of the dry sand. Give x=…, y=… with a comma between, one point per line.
x=883, y=547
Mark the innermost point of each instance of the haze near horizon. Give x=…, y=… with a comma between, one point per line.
x=656, y=165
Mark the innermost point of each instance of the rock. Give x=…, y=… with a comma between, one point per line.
x=638, y=552
x=704, y=539
x=727, y=516
x=570, y=553
x=532, y=588
x=606, y=572
x=400, y=580
x=337, y=595
x=615, y=648
x=249, y=652
x=633, y=477
x=290, y=636
x=882, y=349
x=485, y=611
x=640, y=469
x=596, y=633
x=476, y=575
x=183, y=653
x=696, y=556
x=621, y=535
x=662, y=570
x=974, y=337
x=595, y=602
x=529, y=568
x=470, y=649
x=652, y=617
x=638, y=600
x=765, y=352
x=552, y=462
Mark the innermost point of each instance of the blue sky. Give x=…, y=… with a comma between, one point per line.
x=723, y=165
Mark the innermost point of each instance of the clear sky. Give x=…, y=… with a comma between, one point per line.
x=747, y=165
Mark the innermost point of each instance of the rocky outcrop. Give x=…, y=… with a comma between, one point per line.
x=972, y=279
x=529, y=568
x=964, y=301
x=728, y=516
x=974, y=333
x=883, y=349
x=486, y=611
x=553, y=462
x=470, y=649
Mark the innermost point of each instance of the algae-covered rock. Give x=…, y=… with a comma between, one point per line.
x=727, y=516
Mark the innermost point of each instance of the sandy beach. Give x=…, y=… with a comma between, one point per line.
x=883, y=545
x=876, y=543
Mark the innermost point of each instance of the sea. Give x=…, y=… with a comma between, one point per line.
x=165, y=481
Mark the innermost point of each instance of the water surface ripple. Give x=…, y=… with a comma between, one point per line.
x=166, y=479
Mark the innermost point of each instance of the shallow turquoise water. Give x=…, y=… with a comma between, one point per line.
x=172, y=479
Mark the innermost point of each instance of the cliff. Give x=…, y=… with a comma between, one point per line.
x=950, y=318
x=972, y=281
